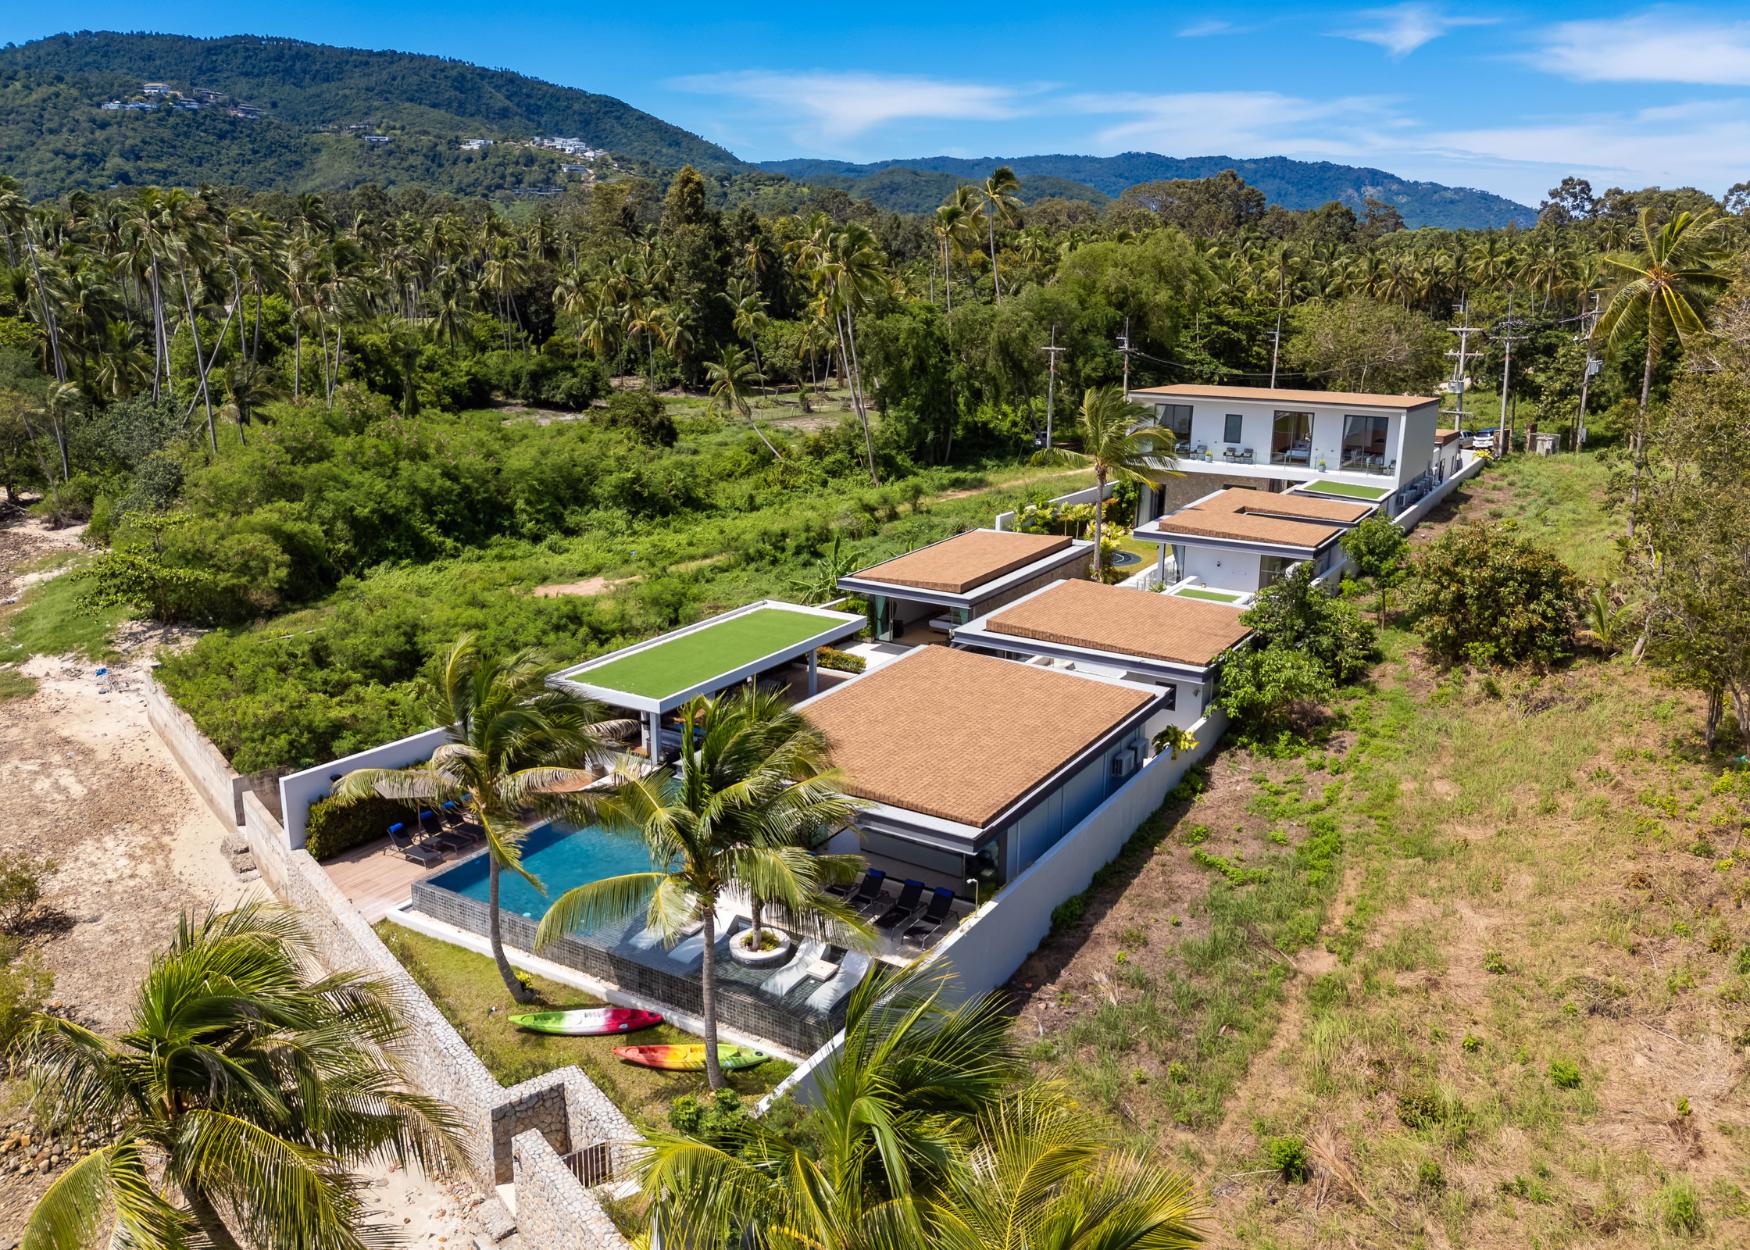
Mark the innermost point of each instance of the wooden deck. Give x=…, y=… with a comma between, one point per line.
x=375, y=877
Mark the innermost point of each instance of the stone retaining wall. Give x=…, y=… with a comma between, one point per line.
x=208, y=771
x=553, y=1211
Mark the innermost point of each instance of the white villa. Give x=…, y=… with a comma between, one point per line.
x=1372, y=447
x=1241, y=540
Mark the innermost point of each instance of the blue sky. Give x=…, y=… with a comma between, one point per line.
x=1504, y=98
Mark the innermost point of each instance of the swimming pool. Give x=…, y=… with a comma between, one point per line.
x=560, y=858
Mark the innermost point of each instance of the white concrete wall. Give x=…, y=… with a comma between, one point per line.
x=990, y=944
x=1417, y=454
x=1410, y=517
x=299, y=790
x=1225, y=570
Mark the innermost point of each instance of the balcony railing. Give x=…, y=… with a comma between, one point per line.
x=1364, y=463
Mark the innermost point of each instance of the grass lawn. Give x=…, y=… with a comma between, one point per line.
x=1214, y=596
x=466, y=987
x=1506, y=1009
x=50, y=619
x=1349, y=489
x=659, y=671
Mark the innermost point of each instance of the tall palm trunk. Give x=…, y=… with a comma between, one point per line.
x=849, y=342
x=996, y=276
x=208, y=1218
x=708, y=996
x=1640, y=435
x=194, y=331
x=1099, y=518
x=496, y=936
x=297, y=361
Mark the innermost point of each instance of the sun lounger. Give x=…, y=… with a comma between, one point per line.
x=435, y=835
x=403, y=842
x=793, y=973
x=941, y=907
x=864, y=891
x=460, y=825
x=851, y=973
x=902, y=910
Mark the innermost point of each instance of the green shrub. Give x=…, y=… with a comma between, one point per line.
x=1680, y=1206
x=1429, y=1175
x=1495, y=962
x=22, y=876
x=1326, y=991
x=844, y=661
x=1289, y=1154
x=1565, y=1073
x=1068, y=914
x=641, y=415
x=1484, y=594
x=332, y=828
x=24, y=988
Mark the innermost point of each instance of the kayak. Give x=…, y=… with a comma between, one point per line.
x=689, y=1058
x=590, y=1022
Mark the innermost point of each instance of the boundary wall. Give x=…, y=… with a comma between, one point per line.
x=996, y=939
x=299, y=790
x=1410, y=517
x=218, y=784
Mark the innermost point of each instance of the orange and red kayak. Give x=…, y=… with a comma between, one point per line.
x=674, y=1058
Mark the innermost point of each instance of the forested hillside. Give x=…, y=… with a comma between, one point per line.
x=54, y=137
x=1288, y=183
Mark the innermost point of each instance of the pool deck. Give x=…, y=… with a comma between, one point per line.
x=376, y=878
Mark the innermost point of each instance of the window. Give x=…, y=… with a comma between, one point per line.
x=1364, y=444
x=1232, y=433
x=1272, y=569
x=1291, y=438
x=1175, y=417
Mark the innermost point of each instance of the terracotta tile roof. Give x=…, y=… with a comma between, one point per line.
x=1129, y=622
x=1443, y=437
x=1262, y=517
x=959, y=564
x=1264, y=395
x=961, y=736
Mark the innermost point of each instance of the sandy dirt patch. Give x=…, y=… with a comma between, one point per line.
x=588, y=586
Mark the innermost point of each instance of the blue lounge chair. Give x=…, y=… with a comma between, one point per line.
x=435, y=835
x=941, y=907
x=403, y=842
x=902, y=910
x=866, y=891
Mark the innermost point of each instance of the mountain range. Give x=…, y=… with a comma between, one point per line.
x=316, y=103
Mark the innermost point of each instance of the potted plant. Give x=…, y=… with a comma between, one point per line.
x=774, y=947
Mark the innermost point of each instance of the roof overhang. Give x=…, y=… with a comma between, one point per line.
x=1152, y=533
x=1078, y=551
x=835, y=627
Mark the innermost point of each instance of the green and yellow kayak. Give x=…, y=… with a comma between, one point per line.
x=690, y=1058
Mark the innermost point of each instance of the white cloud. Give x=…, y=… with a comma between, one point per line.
x=1403, y=28
x=1211, y=26
x=1658, y=46
x=841, y=105
x=1228, y=123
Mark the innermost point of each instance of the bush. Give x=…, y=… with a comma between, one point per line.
x=1680, y=1206
x=842, y=660
x=1296, y=615
x=1429, y=1175
x=1481, y=593
x=641, y=415
x=1289, y=1154
x=24, y=988
x=1565, y=1073
x=1258, y=687
x=332, y=827
x=22, y=875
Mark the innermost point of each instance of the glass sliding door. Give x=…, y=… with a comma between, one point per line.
x=1291, y=438
x=1366, y=448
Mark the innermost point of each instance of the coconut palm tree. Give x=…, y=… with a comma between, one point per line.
x=246, y=1087
x=1120, y=442
x=751, y=793
x=1676, y=263
x=926, y=1141
x=515, y=748
x=951, y=226
x=998, y=200
x=729, y=375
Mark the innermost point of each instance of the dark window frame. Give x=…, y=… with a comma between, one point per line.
x=1233, y=430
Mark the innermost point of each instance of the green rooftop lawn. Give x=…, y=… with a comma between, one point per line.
x=1216, y=595
x=684, y=662
x=1345, y=488
x=466, y=987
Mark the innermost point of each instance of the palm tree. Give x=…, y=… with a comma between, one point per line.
x=847, y=267
x=245, y=1085
x=1121, y=442
x=998, y=199
x=1678, y=261
x=925, y=1141
x=729, y=375
x=751, y=793
x=516, y=747
x=951, y=222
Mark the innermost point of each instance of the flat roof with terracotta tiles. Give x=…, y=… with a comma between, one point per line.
x=960, y=736
x=1125, y=622
x=1443, y=437
x=1260, y=516
x=1265, y=395
x=964, y=562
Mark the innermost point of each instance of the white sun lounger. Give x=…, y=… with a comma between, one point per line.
x=851, y=973
x=792, y=974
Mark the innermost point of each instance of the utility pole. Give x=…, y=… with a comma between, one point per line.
x=1592, y=366
x=1124, y=350
x=1504, y=435
x=1051, y=381
x=1460, y=380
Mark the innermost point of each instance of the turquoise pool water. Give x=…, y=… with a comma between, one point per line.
x=560, y=858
